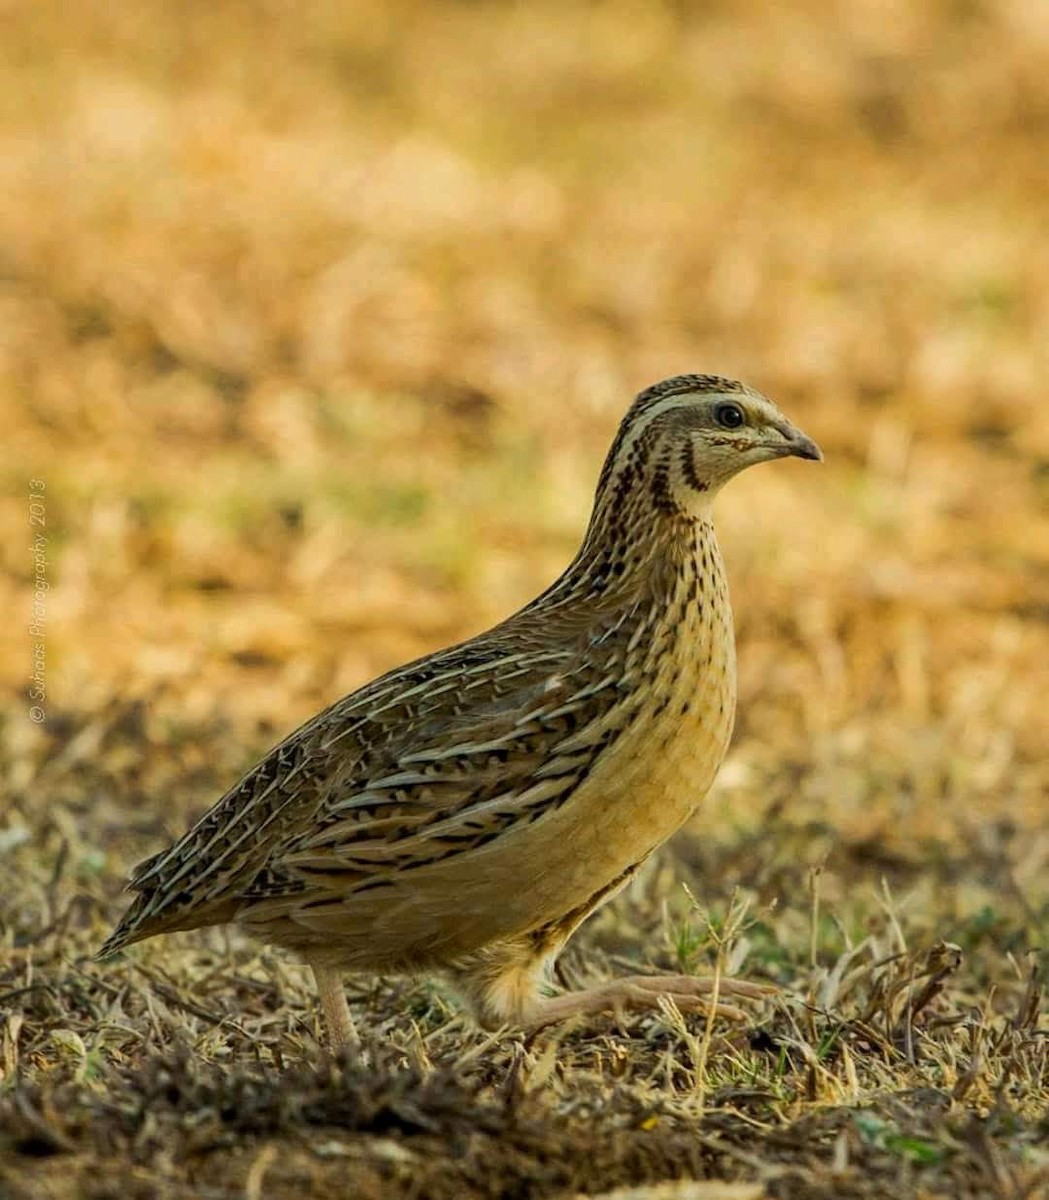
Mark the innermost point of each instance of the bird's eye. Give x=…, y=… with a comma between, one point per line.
x=729, y=416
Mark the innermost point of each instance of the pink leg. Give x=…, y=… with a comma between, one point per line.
x=643, y=991
x=342, y=1035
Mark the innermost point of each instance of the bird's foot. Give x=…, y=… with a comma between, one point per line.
x=634, y=992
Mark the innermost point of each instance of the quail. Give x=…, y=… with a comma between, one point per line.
x=461, y=815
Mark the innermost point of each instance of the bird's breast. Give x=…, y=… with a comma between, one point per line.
x=673, y=728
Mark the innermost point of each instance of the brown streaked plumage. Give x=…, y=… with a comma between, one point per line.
x=462, y=814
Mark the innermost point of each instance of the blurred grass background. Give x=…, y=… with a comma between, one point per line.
x=317, y=319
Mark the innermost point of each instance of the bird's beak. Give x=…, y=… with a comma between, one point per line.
x=797, y=444
x=802, y=446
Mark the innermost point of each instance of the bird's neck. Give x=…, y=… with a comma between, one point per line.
x=641, y=557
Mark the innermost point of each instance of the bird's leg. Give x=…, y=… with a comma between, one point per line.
x=342, y=1034
x=503, y=987
x=689, y=993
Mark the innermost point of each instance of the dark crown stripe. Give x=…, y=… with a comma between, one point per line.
x=679, y=385
x=676, y=385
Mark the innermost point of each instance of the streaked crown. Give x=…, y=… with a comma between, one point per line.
x=684, y=438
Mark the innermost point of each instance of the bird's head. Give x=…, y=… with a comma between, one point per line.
x=684, y=438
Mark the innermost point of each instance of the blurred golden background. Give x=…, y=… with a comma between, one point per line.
x=316, y=320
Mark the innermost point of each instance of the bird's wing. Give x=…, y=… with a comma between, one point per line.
x=435, y=758
x=501, y=753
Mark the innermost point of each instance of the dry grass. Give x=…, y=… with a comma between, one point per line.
x=316, y=322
